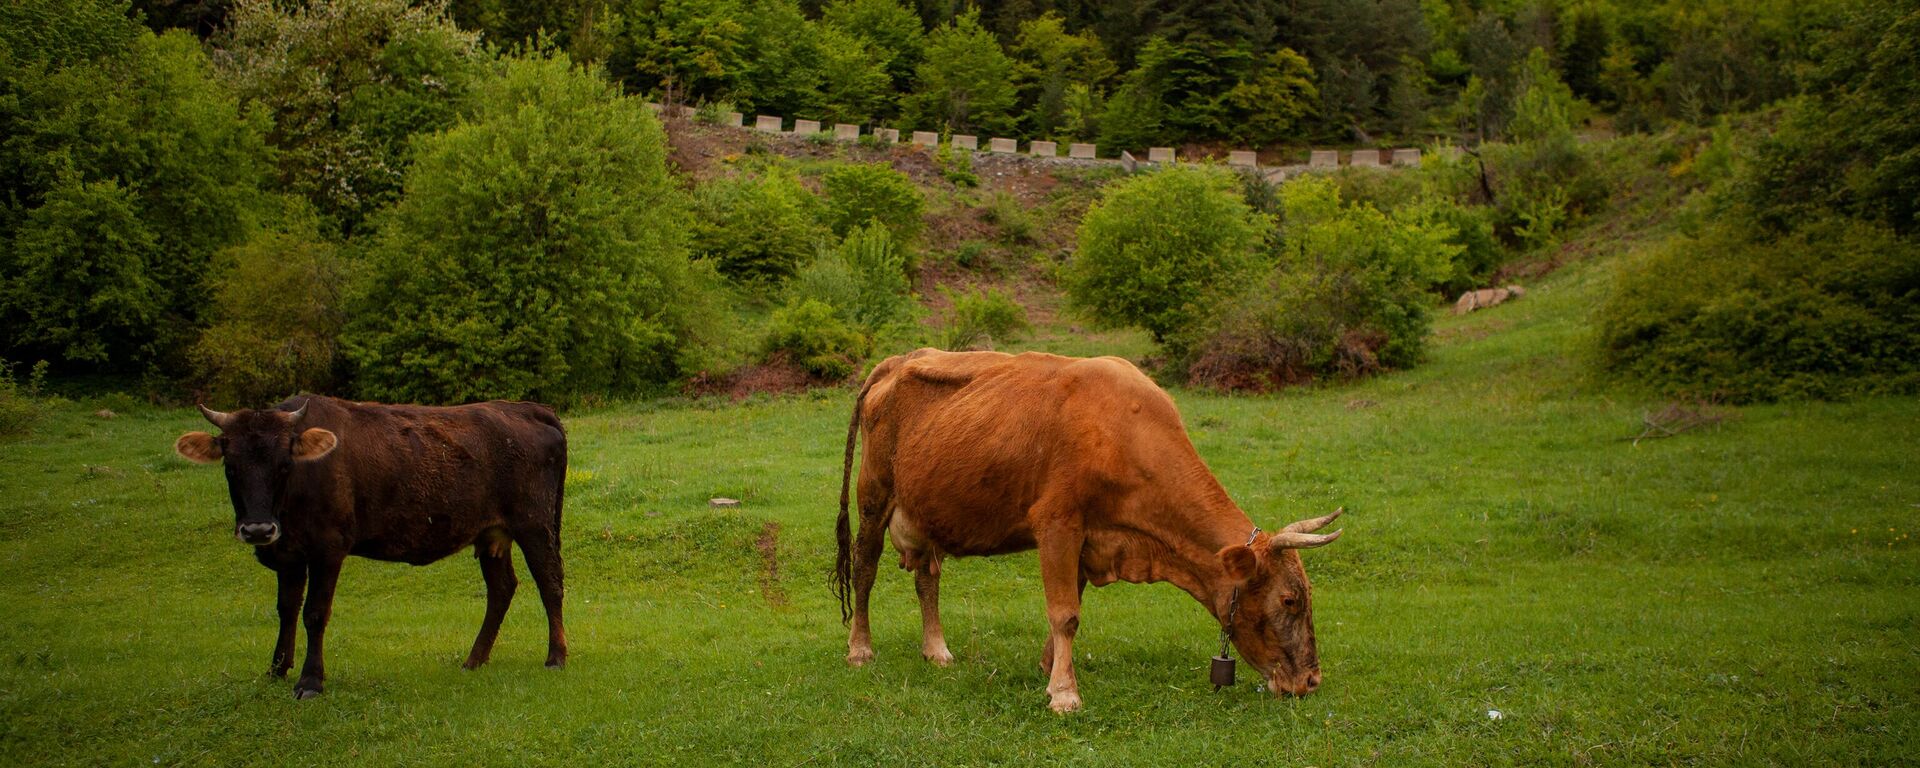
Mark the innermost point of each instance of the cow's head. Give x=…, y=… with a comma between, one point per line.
x=1273, y=627
x=259, y=449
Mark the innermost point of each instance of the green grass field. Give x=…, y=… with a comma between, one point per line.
x=1744, y=594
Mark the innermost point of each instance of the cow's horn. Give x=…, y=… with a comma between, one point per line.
x=219, y=419
x=298, y=413
x=1298, y=540
x=1312, y=524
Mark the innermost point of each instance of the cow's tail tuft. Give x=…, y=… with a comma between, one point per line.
x=843, y=531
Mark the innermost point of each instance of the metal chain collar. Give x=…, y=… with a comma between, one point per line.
x=1233, y=605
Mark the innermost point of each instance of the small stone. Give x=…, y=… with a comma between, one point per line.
x=1494, y=714
x=723, y=502
x=105, y=413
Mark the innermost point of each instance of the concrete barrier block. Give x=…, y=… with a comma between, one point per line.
x=1003, y=146
x=1082, y=151
x=733, y=119
x=1323, y=158
x=1044, y=149
x=1406, y=157
x=887, y=135
x=1127, y=161
x=964, y=141
x=766, y=123
x=806, y=127
x=927, y=139
x=1241, y=158
x=656, y=107
x=1365, y=158
x=844, y=132
x=1160, y=154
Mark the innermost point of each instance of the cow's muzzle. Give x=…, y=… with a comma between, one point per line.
x=1299, y=686
x=257, y=534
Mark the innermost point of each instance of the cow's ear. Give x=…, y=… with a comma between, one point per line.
x=314, y=444
x=197, y=447
x=1240, y=562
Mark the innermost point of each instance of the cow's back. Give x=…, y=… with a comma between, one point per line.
x=967, y=443
x=416, y=483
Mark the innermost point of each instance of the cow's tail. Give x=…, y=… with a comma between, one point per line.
x=843, y=530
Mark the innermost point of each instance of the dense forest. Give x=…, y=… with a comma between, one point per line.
x=1129, y=73
x=441, y=202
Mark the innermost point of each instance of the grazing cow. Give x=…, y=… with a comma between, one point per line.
x=315, y=479
x=980, y=453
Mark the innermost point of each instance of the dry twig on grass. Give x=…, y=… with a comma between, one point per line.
x=1677, y=418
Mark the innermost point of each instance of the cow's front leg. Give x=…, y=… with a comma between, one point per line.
x=293, y=583
x=322, y=575
x=1060, y=573
x=1046, y=654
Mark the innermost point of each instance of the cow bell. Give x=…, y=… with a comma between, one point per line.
x=1222, y=672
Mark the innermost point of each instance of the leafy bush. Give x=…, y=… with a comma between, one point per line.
x=956, y=165
x=1542, y=181
x=756, y=229
x=1155, y=244
x=536, y=253
x=811, y=334
x=864, y=279
x=860, y=193
x=1826, y=311
x=21, y=405
x=1348, y=297
x=1470, y=229
x=982, y=318
x=127, y=168
x=349, y=83
x=277, y=312
x=1017, y=223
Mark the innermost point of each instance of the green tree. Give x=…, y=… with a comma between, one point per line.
x=966, y=80
x=1155, y=245
x=349, y=83
x=537, y=253
x=889, y=28
x=854, y=85
x=693, y=48
x=1270, y=105
x=277, y=308
x=127, y=167
x=1052, y=67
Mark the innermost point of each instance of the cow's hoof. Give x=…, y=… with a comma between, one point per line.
x=940, y=657
x=556, y=663
x=859, y=657
x=304, y=690
x=473, y=663
x=1065, y=702
x=278, y=671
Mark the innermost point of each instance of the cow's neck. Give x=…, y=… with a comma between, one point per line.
x=1179, y=544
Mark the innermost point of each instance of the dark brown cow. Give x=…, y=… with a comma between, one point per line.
x=980, y=453
x=316, y=479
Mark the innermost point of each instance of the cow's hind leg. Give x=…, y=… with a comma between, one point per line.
x=495, y=553
x=542, y=550
x=866, y=565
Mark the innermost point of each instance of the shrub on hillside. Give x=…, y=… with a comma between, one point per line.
x=1155, y=244
x=860, y=193
x=535, y=254
x=1348, y=296
x=1826, y=311
x=756, y=229
x=21, y=404
x=864, y=279
x=810, y=334
x=277, y=313
x=982, y=318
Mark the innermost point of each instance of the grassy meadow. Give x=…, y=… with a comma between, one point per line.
x=1741, y=594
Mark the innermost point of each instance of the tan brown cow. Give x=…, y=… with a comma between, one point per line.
x=1086, y=460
